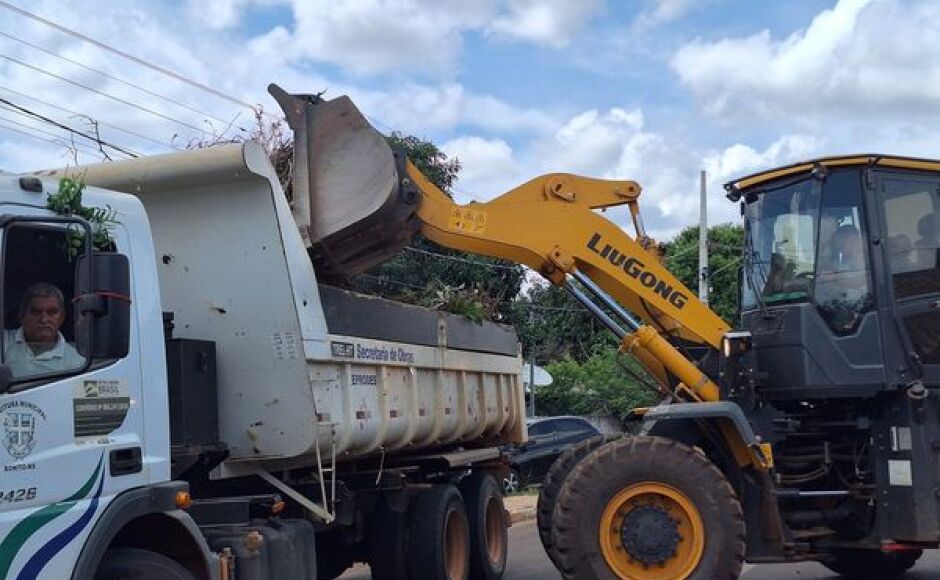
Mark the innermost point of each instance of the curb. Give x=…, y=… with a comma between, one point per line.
x=522, y=515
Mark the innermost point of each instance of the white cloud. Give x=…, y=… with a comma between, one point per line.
x=218, y=14
x=860, y=57
x=664, y=11
x=488, y=166
x=385, y=36
x=419, y=108
x=551, y=23
x=616, y=144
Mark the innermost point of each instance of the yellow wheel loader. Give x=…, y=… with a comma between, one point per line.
x=810, y=431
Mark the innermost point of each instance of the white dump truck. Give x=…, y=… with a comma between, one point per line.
x=209, y=411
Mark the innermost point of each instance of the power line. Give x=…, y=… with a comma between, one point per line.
x=86, y=148
x=124, y=55
x=103, y=94
x=516, y=304
x=58, y=142
x=459, y=259
x=97, y=140
x=120, y=80
x=94, y=120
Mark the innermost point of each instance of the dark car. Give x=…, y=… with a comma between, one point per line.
x=549, y=437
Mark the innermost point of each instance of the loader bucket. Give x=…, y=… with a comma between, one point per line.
x=348, y=200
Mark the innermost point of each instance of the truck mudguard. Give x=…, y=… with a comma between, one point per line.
x=131, y=505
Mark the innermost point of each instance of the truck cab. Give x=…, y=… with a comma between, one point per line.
x=75, y=431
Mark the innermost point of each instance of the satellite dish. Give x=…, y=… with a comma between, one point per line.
x=542, y=377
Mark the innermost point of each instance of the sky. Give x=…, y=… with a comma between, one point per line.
x=649, y=90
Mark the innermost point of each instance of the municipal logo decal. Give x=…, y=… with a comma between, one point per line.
x=20, y=420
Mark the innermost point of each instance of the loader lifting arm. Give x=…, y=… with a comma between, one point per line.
x=550, y=225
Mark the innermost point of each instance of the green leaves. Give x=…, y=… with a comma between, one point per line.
x=725, y=249
x=67, y=201
x=596, y=386
x=477, y=287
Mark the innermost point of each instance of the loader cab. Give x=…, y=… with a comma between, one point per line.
x=841, y=278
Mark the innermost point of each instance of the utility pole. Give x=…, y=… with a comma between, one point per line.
x=703, y=241
x=532, y=382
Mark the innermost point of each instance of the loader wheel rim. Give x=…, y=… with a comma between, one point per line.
x=456, y=558
x=651, y=531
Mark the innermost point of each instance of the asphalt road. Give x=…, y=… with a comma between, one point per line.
x=527, y=561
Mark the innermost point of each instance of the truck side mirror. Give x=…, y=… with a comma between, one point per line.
x=103, y=306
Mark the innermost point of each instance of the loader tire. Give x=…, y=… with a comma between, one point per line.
x=438, y=535
x=872, y=564
x=488, y=524
x=648, y=508
x=548, y=494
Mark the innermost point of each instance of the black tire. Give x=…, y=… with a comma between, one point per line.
x=639, y=484
x=512, y=482
x=872, y=564
x=333, y=555
x=489, y=532
x=136, y=564
x=554, y=479
x=388, y=540
x=438, y=535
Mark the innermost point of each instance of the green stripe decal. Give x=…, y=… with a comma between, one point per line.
x=14, y=541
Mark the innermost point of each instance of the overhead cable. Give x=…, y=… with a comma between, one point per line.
x=103, y=94
x=72, y=130
x=124, y=55
x=49, y=133
x=121, y=81
x=92, y=119
x=463, y=260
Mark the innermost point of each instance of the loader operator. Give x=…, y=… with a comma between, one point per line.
x=37, y=347
x=842, y=288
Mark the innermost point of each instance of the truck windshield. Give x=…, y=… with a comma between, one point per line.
x=780, y=234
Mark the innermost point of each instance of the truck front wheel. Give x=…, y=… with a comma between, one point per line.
x=438, y=535
x=136, y=564
x=648, y=508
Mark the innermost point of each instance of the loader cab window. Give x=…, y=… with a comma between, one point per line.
x=843, y=283
x=806, y=242
x=912, y=223
x=780, y=235
x=910, y=212
x=40, y=328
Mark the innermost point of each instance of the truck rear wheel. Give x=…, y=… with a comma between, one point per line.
x=872, y=564
x=489, y=536
x=555, y=478
x=438, y=535
x=388, y=538
x=136, y=564
x=648, y=508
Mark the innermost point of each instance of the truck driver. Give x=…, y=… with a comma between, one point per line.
x=37, y=347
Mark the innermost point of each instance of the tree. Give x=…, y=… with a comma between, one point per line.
x=430, y=275
x=552, y=325
x=725, y=249
x=597, y=386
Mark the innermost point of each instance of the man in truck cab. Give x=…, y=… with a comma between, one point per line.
x=37, y=347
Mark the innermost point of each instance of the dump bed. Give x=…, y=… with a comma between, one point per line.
x=303, y=367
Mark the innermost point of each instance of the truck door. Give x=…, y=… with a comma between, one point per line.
x=68, y=423
x=908, y=205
